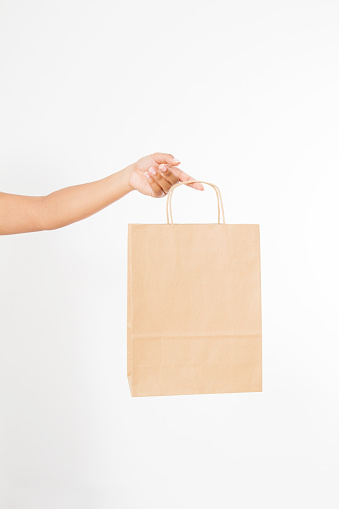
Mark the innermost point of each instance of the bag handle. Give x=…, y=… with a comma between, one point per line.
x=169, y=199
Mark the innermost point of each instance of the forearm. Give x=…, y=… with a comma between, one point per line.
x=23, y=214
x=75, y=203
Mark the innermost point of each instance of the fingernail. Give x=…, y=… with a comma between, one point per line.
x=147, y=175
x=152, y=170
x=162, y=167
x=176, y=160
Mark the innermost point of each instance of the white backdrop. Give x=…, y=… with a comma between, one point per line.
x=245, y=94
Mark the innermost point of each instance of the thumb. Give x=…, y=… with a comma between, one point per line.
x=163, y=158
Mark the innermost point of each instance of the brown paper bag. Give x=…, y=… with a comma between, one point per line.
x=194, y=307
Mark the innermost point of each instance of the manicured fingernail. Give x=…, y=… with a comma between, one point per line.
x=162, y=167
x=147, y=175
x=152, y=170
x=176, y=160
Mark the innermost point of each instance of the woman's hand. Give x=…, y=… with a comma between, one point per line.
x=154, y=175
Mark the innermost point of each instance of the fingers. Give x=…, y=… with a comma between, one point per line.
x=161, y=179
x=162, y=158
x=167, y=173
x=182, y=176
x=158, y=192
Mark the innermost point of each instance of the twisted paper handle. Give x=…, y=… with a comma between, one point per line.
x=169, y=199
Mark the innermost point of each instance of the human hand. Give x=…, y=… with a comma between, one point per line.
x=155, y=174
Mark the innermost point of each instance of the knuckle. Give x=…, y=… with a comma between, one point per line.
x=174, y=179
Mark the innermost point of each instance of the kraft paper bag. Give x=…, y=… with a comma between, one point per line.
x=194, y=307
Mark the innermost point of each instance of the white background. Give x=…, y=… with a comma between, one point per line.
x=245, y=94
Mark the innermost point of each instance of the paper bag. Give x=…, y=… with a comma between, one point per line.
x=194, y=307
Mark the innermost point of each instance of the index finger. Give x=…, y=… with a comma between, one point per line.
x=182, y=176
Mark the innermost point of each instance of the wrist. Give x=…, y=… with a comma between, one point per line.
x=128, y=171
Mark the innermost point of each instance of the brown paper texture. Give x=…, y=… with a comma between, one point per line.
x=194, y=309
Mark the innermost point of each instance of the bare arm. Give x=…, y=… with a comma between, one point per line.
x=22, y=214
